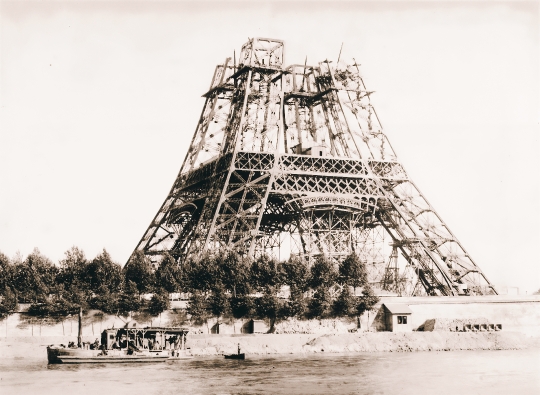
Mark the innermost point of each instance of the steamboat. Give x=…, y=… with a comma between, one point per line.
x=128, y=344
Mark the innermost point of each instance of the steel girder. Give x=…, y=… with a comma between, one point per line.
x=296, y=158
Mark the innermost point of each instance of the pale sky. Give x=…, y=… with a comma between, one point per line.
x=99, y=101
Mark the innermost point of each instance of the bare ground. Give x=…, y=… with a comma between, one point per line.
x=361, y=342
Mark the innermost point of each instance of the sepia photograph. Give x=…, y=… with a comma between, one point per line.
x=285, y=197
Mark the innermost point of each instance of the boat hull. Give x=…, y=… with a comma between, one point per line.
x=236, y=356
x=62, y=355
x=107, y=359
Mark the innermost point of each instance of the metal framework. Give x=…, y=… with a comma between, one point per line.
x=294, y=161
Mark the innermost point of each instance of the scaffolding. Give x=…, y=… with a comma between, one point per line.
x=293, y=161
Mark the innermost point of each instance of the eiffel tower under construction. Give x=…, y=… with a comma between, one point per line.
x=293, y=161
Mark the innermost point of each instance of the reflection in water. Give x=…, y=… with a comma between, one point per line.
x=465, y=372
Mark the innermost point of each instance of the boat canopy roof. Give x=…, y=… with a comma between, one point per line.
x=153, y=329
x=165, y=329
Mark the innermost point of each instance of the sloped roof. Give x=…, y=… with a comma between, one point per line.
x=396, y=308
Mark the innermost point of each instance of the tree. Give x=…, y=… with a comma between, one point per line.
x=295, y=273
x=72, y=279
x=6, y=273
x=8, y=302
x=34, y=277
x=242, y=306
x=366, y=301
x=105, y=300
x=159, y=302
x=323, y=273
x=139, y=271
x=102, y=273
x=202, y=273
x=296, y=306
x=236, y=273
x=264, y=273
x=169, y=275
x=129, y=300
x=56, y=308
x=8, y=299
x=268, y=305
x=198, y=307
x=352, y=271
x=103, y=277
x=73, y=269
x=61, y=303
x=219, y=302
x=320, y=304
x=345, y=304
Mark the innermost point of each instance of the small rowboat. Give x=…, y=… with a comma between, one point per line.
x=238, y=355
x=235, y=356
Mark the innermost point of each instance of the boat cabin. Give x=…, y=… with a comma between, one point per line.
x=128, y=344
x=147, y=338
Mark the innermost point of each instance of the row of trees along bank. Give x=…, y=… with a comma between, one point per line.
x=221, y=284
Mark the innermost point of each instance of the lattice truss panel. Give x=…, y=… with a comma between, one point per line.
x=293, y=161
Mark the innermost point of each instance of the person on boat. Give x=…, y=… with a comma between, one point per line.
x=103, y=349
x=132, y=347
x=171, y=340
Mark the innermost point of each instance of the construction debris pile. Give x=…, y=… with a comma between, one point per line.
x=459, y=325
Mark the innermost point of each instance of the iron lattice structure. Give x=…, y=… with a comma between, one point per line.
x=294, y=161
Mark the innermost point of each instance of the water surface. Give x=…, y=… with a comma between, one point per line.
x=457, y=372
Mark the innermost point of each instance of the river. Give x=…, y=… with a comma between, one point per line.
x=456, y=372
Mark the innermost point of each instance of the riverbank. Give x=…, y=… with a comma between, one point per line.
x=270, y=344
x=22, y=336
x=360, y=342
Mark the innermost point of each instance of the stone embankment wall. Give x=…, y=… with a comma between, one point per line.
x=515, y=314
